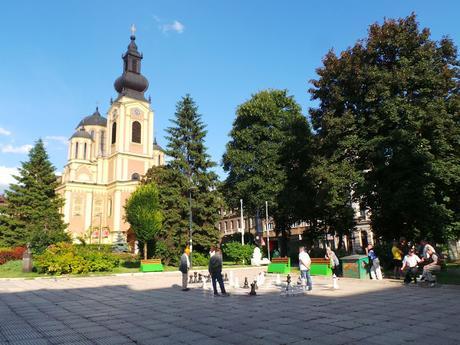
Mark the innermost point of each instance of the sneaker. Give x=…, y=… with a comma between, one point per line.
x=186, y=289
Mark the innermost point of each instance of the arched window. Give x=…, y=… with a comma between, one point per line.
x=84, y=151
x=76, y=150
x=114, y=133
x=135, y=177
x=136, y=132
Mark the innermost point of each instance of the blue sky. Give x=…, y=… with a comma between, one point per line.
x=60, y=58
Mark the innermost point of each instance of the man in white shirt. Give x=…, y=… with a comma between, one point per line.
x=304, y=266
x=410, y=261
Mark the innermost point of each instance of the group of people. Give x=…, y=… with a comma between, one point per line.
x=409, y=259
x=214, y=268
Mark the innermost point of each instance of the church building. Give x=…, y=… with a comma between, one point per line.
x=107, y=157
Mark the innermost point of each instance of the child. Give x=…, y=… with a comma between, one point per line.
x=410, y=261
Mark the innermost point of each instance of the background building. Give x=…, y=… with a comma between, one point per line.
x=107, y=158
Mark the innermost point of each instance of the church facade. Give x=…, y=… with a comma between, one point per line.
x=107, y=157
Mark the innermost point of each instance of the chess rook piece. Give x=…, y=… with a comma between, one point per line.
x=195, y=277
x=246, y=284
x=200, y=278
x=253, y=289
x=190, y=281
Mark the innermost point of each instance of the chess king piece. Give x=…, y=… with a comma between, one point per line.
x=253, y=289
x=246, y=284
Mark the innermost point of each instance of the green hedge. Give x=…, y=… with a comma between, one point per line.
x=234, y=251
x=63, y=258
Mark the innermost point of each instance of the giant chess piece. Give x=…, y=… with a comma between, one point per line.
x=299, y=281
x=246, y=284
x=208, y=278
x=200, y=278
x=288, y=281
x=190, y=281
x=253, y=289
x=195, y=277
x=225, y=278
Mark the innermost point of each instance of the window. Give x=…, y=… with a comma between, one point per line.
x=84, y=151
x=114, y=133
x=109, y=208
x=77, y=206
x=102, y=143
x=135, y=177
x=76, y=150
x=136, y=132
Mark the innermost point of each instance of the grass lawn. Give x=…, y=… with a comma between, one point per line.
x=13, y=269
x=451, y=275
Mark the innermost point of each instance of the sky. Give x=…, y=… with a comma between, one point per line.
x=59, y=59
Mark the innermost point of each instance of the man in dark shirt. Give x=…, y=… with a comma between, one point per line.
x=215, y=270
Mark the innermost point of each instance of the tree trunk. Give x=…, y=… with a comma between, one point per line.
x=145, y=250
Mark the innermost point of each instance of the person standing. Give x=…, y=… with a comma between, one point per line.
x=334, y=263
x=215, y=270
x=376, y=271
x=184, y=267
x=410, y=262
x=304, y=266
x=397, y=259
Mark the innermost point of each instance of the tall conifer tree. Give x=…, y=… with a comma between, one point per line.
x=31, y=213
x=188, y=171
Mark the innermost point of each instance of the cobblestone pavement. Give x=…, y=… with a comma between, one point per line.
x=152, y=309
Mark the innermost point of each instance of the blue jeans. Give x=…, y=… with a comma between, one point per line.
x=217, y=277
x=305, y=274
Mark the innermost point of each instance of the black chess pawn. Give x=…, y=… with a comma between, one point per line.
x=190, y=281
x=195, y=277
x=246, y=284
x=253, y=289
x=288, y=281
x=225, y=278
x=200, y=278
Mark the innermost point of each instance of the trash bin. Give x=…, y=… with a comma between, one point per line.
x=354, y=266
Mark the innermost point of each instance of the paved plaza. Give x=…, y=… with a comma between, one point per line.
x=151, y=309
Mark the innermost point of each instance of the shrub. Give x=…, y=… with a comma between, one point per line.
x=199, y=259
x=234, y=251
x=9, y=254
x=65, y=258
x=128, y=260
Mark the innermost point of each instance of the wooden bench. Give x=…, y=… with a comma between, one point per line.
x=279, y=265
x=151, y=265
x=320, y=267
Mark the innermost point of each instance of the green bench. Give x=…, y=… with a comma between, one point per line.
x=152, y=265
x=320, y=267
x=279, y=265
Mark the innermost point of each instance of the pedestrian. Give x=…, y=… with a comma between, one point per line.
x=212, y=251
x=376, y=271
x=410, y=263
x=335, y=266
x=304, y=266
x=433, y=266
x=397, y=259
x=215, y=270
x=184, y=267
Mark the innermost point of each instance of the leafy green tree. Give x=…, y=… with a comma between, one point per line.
x=389, y=110
x=143, y=213
x=267, y=157
x=32, y=211
x=186, y=176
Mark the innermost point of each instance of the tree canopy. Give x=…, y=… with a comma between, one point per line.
x=143, y=213
x=387, y=126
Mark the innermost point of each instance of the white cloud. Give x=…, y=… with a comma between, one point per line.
x=16, y=149
x=6, y=175
x=59, y=138
x=175, y=26
x=3, y=131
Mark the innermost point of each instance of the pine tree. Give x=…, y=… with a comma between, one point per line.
x=31, y=213
x=187, y=176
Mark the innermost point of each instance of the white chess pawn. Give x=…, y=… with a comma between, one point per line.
x=236, y=283
x=278, y=280
x=335, y=283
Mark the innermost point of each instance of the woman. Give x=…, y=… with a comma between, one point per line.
x=334, y=263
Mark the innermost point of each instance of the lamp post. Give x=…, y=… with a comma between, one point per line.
x=242, y=221
x=266, y=226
